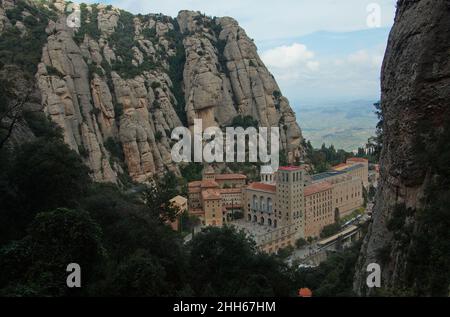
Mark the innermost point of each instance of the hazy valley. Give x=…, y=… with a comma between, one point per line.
x=346, y=125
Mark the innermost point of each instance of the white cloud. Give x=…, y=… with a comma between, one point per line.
x=288, y=56
x=313, y=65
x=349, y=77
x=364, y=58
x=359, y=57
x=291, y=63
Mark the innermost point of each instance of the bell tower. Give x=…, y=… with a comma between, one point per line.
x=268, y=175
x=208, y=173
x=290, y=199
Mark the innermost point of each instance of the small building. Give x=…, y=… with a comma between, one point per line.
x=212, y=207
x=231, y=180
x=181, y=204
x=356, y=167
x=305, y=292
x=216, y=197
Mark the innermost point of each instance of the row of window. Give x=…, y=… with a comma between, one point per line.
x=358, y=194
x=284, y=177
x=262, y=204
x=262, y=221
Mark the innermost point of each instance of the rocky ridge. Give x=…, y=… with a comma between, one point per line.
x=117, y=84
x=409, y=235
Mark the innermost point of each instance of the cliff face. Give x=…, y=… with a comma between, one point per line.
x=119, y=84
x=409, y=236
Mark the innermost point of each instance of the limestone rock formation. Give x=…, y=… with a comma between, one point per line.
x=224, y=77
x=118, y=84
x=415, y=103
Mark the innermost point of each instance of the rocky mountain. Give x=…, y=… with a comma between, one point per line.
x=409, y=237
x=117, y=83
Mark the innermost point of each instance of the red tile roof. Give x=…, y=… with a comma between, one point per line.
x=224, y=177
x=211, y=194
x=358, y=159
x=317, y=188
x=209, y=184
x=195, y=187
x=195, y=184
x=305, y=292
x=263, y=187
x=231, y=190
x=193, y=190
x=341, y=166
x=291, y=168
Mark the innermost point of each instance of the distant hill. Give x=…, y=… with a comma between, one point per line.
x=346, y=125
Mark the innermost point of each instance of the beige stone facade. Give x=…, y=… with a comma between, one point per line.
x=319, y=211
x=285, y=206
x=212, y=206
x=181, y=204
x=347, y=195
x=277, y=206
x=347, y=192
x=215, y=198
x=356, y=167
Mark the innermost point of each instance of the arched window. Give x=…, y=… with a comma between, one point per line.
x=255, y=219
x=262, y=205
x=249, y=217
x=269, y=222
x=255, y=202
x=263, y=221
x=269, y=204
x=275, y=223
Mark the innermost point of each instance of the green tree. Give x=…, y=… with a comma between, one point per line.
x=215, y=270
x=157, y=197
x=142, y=274
x=40, y=175
x=56, y=239
x=330, y=230
x=245, y=122
x=188, y=222
x=129, y=233
x=192, y=171
x=300, y=243
x=332, y=278
x=372, y=192
x=326, y=157
x=49, y=175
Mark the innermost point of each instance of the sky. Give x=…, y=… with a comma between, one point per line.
x=320, y=51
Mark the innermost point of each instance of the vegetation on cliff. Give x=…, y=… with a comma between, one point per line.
x=53, y=214
x=424, y=232
x=24, y=49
